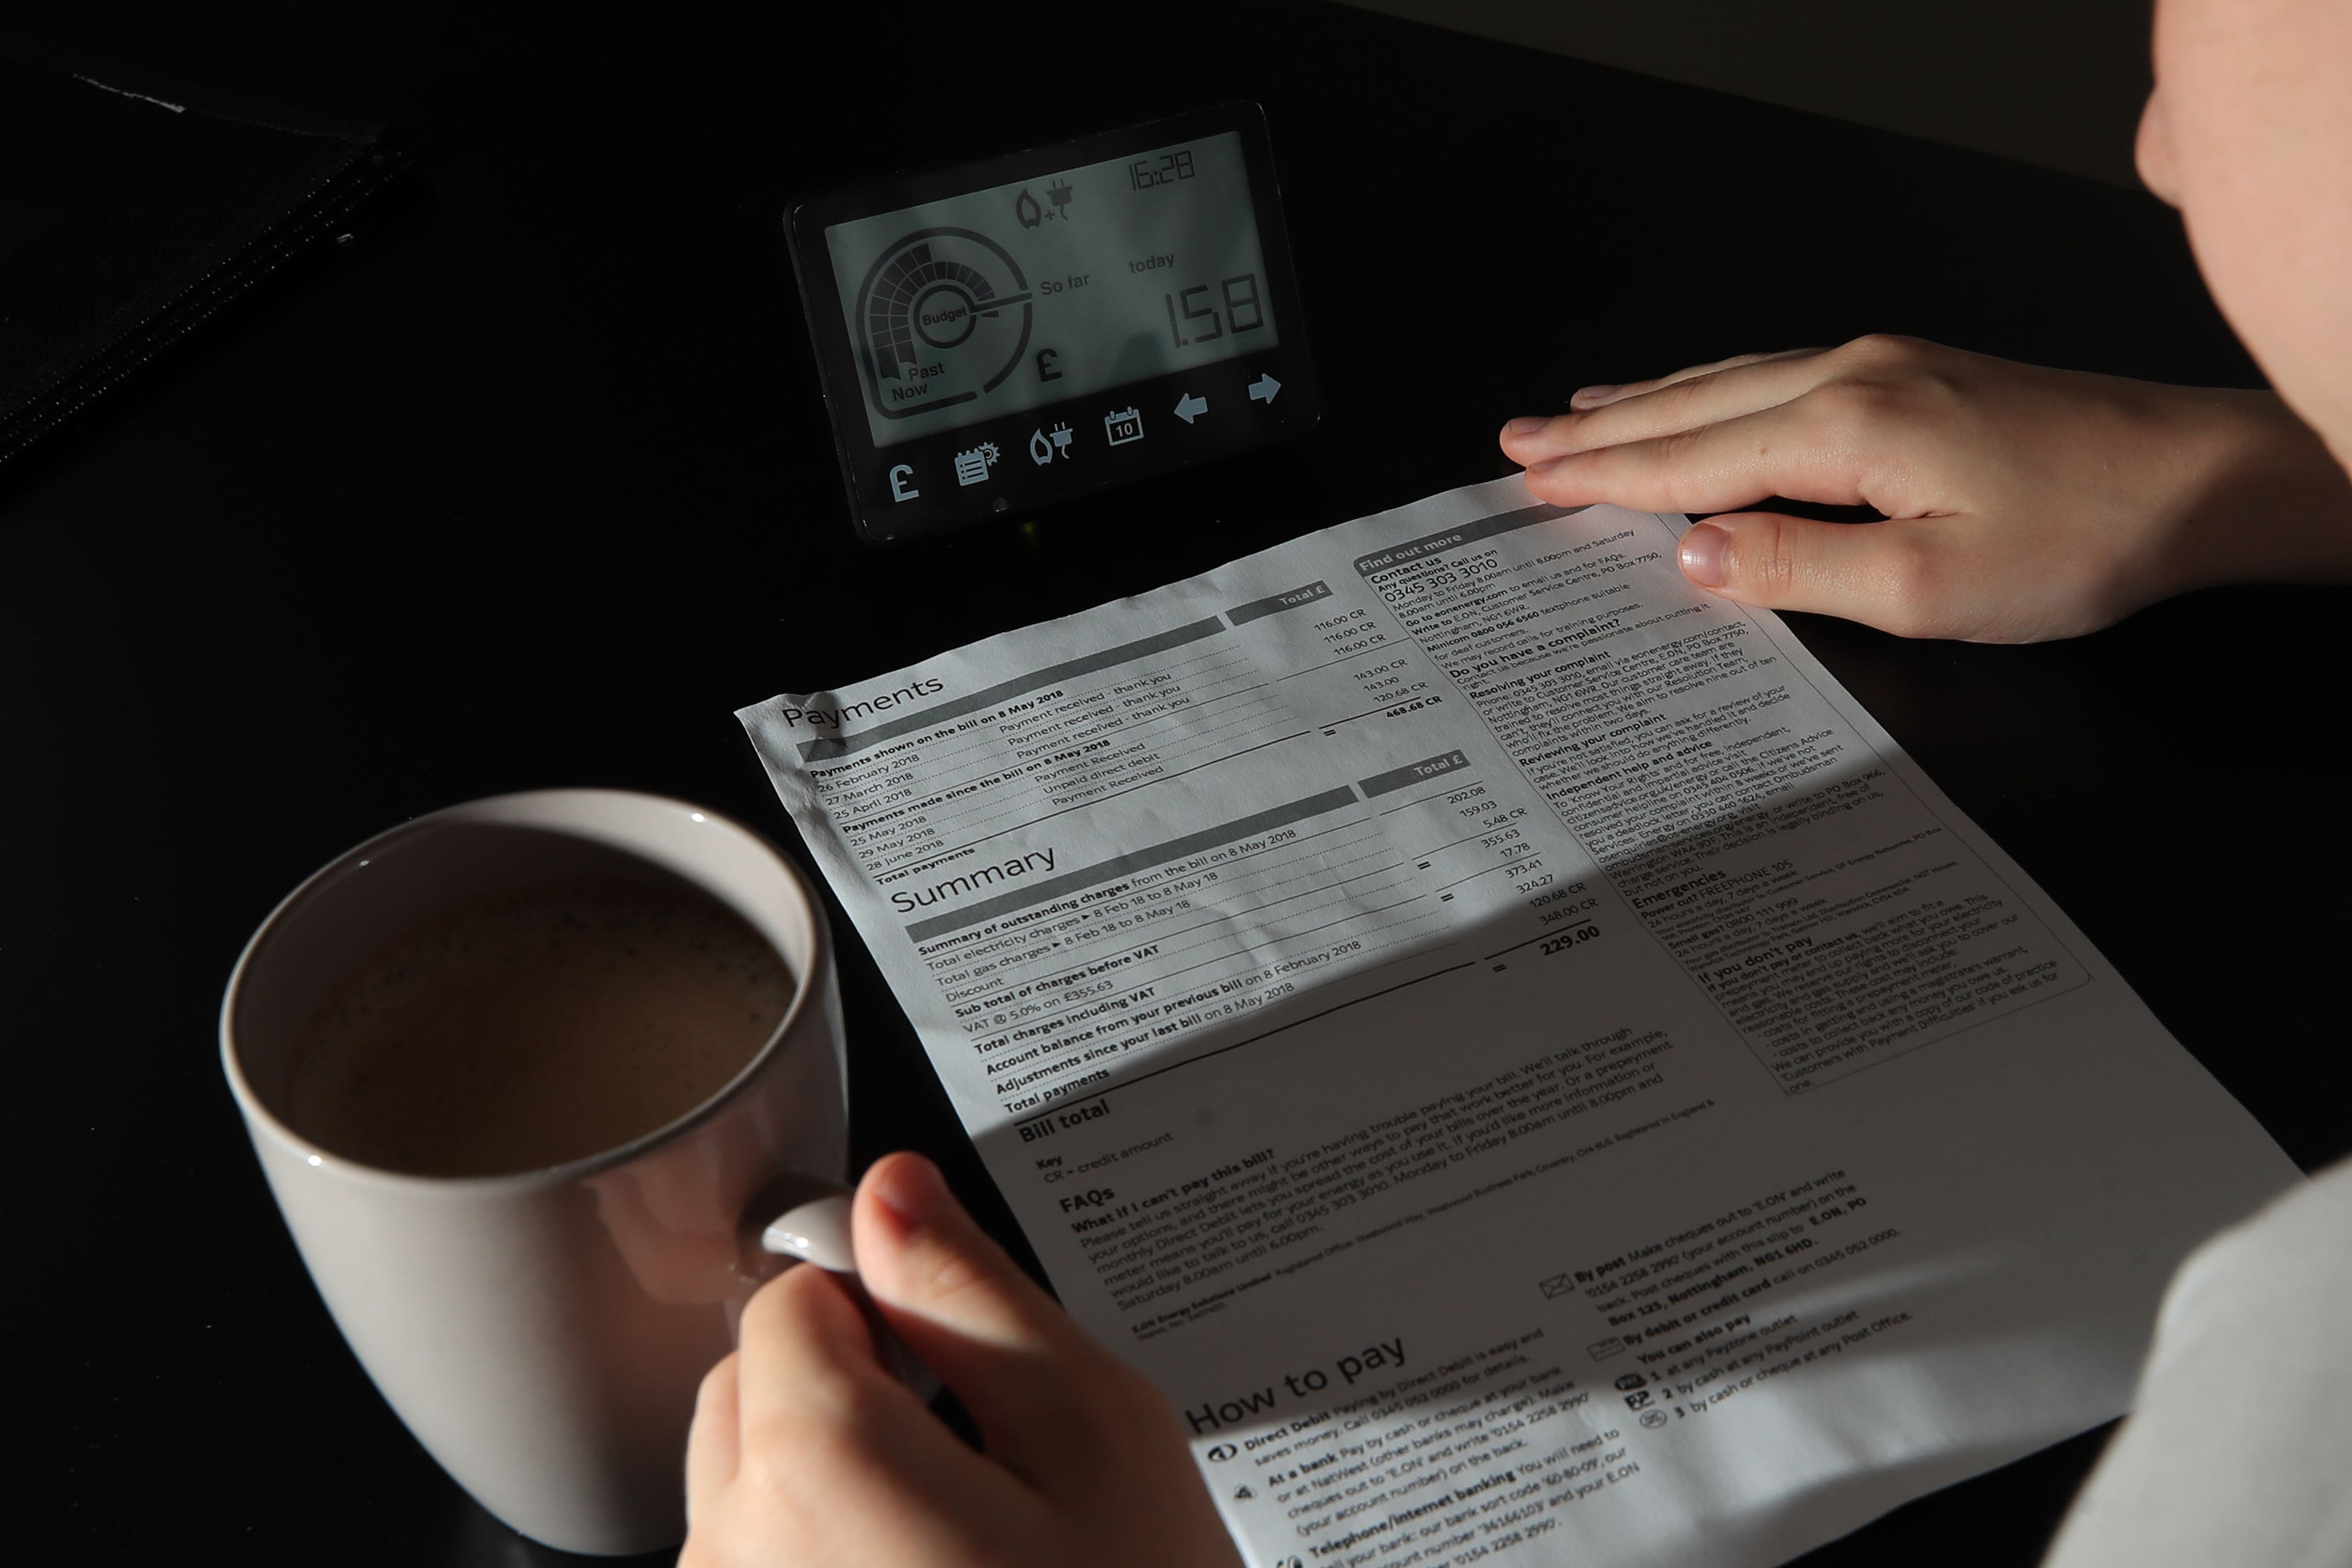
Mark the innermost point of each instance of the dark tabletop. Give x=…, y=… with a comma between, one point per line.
x=529, y=485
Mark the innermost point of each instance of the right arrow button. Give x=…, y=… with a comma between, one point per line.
x=1263, y=389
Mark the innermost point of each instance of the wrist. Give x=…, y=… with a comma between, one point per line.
x=2262, y=499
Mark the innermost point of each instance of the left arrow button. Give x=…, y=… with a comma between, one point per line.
x=1191, y=406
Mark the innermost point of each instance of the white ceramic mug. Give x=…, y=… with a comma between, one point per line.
x=543, y=1333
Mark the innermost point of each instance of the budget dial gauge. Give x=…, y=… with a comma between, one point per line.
x=944, y=317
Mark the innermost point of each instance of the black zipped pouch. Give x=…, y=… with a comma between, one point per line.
x=131, y=213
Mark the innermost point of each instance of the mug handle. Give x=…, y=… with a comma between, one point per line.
x=815, y=1230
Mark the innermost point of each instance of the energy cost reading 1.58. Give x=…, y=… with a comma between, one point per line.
x=1192, y=308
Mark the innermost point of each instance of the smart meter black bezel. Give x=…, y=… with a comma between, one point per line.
x=1285, y=405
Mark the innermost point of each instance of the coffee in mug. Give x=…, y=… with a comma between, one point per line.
x=536, y=1027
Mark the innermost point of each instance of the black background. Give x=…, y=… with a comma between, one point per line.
x=529, y=485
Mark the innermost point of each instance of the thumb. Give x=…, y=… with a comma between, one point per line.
x=1879, y=573
x=1020, y=1365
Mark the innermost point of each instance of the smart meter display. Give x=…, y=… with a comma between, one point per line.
x=1016, y=297
x=1014, y=332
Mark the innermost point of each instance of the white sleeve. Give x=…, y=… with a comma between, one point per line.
x=2239, y=1446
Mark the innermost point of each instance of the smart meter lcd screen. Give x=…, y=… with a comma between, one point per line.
x=1043, y=291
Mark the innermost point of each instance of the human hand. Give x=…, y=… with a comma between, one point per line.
x=2022, y=503
x=805, y=1453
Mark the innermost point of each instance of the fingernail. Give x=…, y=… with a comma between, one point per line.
x=910, y=1187
x=1702, y=554
x=1526, y=427
x=1594, y=394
